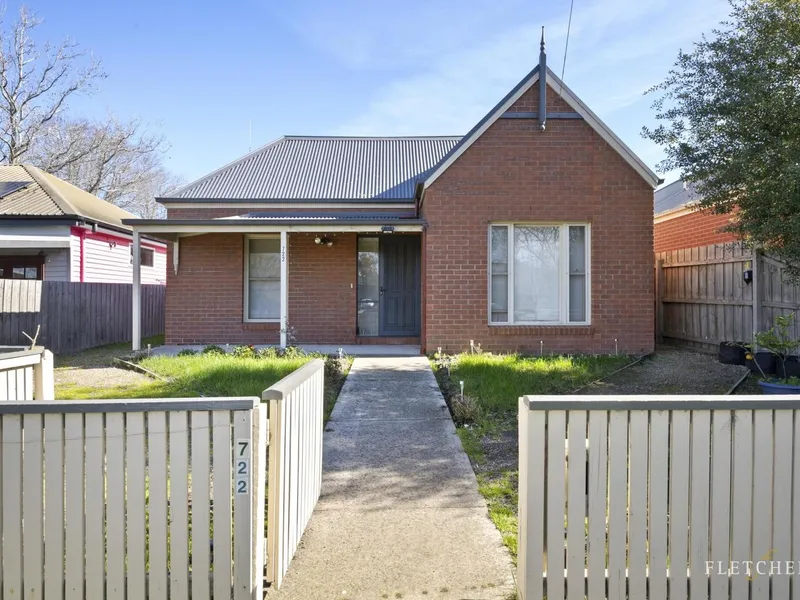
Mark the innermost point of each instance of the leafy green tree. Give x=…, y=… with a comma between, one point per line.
x=729, y=113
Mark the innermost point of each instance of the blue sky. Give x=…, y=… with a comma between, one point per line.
x=201, y=72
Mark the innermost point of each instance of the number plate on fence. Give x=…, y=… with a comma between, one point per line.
x=242, y=467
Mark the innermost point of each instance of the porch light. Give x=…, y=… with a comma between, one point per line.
x=323, y=241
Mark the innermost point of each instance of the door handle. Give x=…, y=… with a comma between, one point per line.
x=382, y=289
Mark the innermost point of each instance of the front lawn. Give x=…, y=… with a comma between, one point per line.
x=486, y=417
x=211, y=375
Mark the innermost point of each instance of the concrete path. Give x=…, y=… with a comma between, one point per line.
x=400, y=514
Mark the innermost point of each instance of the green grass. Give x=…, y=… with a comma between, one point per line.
x=208, y=375
x=494, y=383
x=497, y=381
x=198, y=375
x=500, y=491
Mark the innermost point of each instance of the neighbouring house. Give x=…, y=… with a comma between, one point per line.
x=532, y=232
x=53, y=231
x=679, y=224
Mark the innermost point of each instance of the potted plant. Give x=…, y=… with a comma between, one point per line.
x=781, y=344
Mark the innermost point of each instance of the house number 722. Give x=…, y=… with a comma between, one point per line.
x=242, y=467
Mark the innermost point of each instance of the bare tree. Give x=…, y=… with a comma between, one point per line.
x=121, y=162
x=36, y=82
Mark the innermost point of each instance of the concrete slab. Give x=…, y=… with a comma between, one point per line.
x=400, y=515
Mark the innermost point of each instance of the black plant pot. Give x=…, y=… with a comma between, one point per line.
x=790, y=368
x=766, y=361
x=731, y=353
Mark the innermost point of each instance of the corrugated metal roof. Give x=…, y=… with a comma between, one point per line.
x=325, y=168
x=47, y=195
x=30, y=200
x=675, y=195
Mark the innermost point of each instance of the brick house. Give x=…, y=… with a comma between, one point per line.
x=533, y=228
x=678, y=224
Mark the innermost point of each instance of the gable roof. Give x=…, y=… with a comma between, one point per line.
x=30, y=192
x=572, y=100
x=324, y=168
x=674, y=196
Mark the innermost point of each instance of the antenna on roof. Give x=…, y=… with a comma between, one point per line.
x=566, y=47
x=542, y=85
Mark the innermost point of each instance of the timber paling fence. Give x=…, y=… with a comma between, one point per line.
x=75, y=316
x=157, y=499
x=703, y=298
x=658, y=497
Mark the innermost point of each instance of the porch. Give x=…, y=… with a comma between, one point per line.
x=323, y=282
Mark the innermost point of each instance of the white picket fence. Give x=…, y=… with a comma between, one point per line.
x=685, y=498
x=26, y=374
x=157, y=498
x=132, y=499
x=295, y=461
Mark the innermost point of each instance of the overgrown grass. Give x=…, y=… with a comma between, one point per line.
x=487, y=420
x=497, y=381
x=212, y=375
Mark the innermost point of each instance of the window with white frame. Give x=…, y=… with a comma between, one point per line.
x=263, y=279
x=539, y=274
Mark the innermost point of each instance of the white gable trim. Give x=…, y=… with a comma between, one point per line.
x=570, y=98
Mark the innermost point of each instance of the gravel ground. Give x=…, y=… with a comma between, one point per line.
x=671, y=371
x=98, y=377
x=94, y=367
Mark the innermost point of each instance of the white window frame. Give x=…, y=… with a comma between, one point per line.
x=246, y=287
x=563, y=274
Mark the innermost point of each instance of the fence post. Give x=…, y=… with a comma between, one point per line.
x=43, y=382
x=659, y=300
x=531, y=533
x=260, y=442
x=757, y=300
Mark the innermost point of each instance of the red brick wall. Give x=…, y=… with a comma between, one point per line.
x=699, y=228
x=514, y=172
x=322, y=288
x=205, y=301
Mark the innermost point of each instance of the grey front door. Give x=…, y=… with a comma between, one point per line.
x=399, y=286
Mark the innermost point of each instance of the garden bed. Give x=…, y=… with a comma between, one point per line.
x=486, y=417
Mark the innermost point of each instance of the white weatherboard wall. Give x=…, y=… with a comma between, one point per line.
x=107, y=261
x=74, y=258
x=57, y=265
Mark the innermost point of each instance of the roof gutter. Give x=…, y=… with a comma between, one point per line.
x=373, y=200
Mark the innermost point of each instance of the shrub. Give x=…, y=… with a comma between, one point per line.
x=268, y=352
x=466, y=409
x=292, y=352
x=187, y=352
x=214, y=350
x=244, y=351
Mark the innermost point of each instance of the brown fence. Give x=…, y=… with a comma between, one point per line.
x=75, y=316
x=703, y=296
